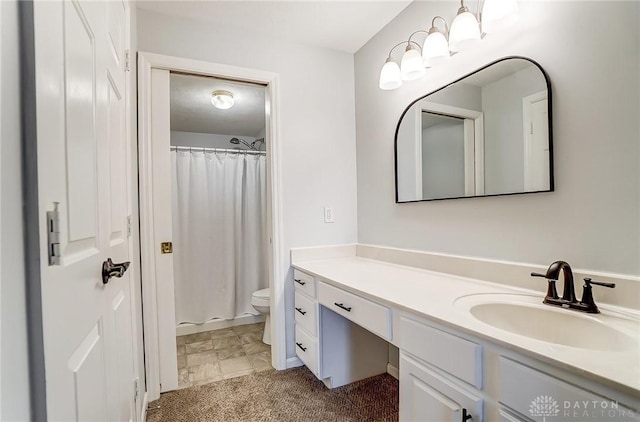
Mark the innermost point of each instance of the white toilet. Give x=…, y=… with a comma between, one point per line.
x=260, y=300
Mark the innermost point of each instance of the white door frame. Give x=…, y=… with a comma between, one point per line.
x=150, y=290
x=473, y=143
x=530, y=166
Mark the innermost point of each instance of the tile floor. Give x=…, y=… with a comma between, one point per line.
x=220, y=354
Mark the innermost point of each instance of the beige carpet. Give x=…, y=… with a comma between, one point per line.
x=291, y=395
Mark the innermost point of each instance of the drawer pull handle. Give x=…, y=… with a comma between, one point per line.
x=301, y=311
x=341, y=306
x=465, y=415
x=300, y=282
x=304, y=349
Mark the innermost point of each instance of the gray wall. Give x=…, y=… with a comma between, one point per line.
x=459, y=95
x=407, y=144
x=14, y=366
x=503, y=129
x=443, y=160
x=591, y=220
x=316, y=124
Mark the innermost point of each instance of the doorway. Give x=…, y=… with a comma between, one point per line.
x=218, y=207
x=165, y=305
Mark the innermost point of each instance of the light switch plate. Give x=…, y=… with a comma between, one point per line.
x=328, y=215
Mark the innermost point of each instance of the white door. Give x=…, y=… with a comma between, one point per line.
x=536, y=142
x=82, y=165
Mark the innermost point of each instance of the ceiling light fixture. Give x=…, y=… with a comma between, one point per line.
x=438, y=46
x=222, y=99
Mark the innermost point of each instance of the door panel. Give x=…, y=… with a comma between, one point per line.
x=117, y=164
x=80, y=106
x=87, y=365
x=82, y=165
x=124, y=350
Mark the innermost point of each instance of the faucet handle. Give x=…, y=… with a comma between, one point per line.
x=541, y=275
x=589, y=282
x=552, y=293
x=587, y=295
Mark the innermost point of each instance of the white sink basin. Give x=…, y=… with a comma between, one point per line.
x=526, y=316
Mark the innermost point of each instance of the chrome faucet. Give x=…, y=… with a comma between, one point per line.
x=568, y=299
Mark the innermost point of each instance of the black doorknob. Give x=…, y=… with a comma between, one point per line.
x=109, y=269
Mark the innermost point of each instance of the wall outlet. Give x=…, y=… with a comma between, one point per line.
x=328, y=215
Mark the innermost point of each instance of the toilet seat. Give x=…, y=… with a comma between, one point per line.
x=261, y=297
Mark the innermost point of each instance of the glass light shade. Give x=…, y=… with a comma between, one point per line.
x=464, y=33
x=498, y=14
x=390, y=75
x=435, y=49
x=412, y=66
x=222, y=99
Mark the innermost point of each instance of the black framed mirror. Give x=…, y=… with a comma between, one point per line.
x=488, y=133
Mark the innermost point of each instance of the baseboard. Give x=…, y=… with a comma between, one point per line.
x=217, y=324
x=294, y=362
x=393, y=371
x=145, y=403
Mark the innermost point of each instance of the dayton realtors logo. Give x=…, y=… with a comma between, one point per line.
x=544, y=406
x=547, y=407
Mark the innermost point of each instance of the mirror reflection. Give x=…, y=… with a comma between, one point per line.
x=488, y=133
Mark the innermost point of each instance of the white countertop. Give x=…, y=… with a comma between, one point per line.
x=432, y=295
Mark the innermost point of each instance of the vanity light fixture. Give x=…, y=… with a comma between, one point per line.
x=465, y=30
x=390, y=75
x=438, y=46
x=498, y=14
x=412, y=65
x=222, y=99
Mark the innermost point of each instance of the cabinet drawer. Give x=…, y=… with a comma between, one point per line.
x=304, y=283
x=536, y=394
x=307, y=350
x=306, y=313
x=428, y=396
x=455, y=355
x=372, y=316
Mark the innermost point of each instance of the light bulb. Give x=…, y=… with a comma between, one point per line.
x=435, y=48
x=390, y=75
x=465, y=31
x=412, y=65
x=498, y=14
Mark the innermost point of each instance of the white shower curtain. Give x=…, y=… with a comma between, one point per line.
x=219, y=224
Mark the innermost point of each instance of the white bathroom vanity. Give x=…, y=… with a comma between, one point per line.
x=457, y=363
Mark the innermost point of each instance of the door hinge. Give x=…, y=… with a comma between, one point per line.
x=136, y=389
x=128, y=226
x=127, y=61
x=53, y=235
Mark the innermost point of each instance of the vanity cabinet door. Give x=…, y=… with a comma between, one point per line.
x=307, y=350
x=428, y=396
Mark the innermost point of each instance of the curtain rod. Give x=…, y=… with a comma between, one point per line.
x=228, y=151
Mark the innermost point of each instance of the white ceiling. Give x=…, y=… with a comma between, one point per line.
x=192, y=111
x=338, y=25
